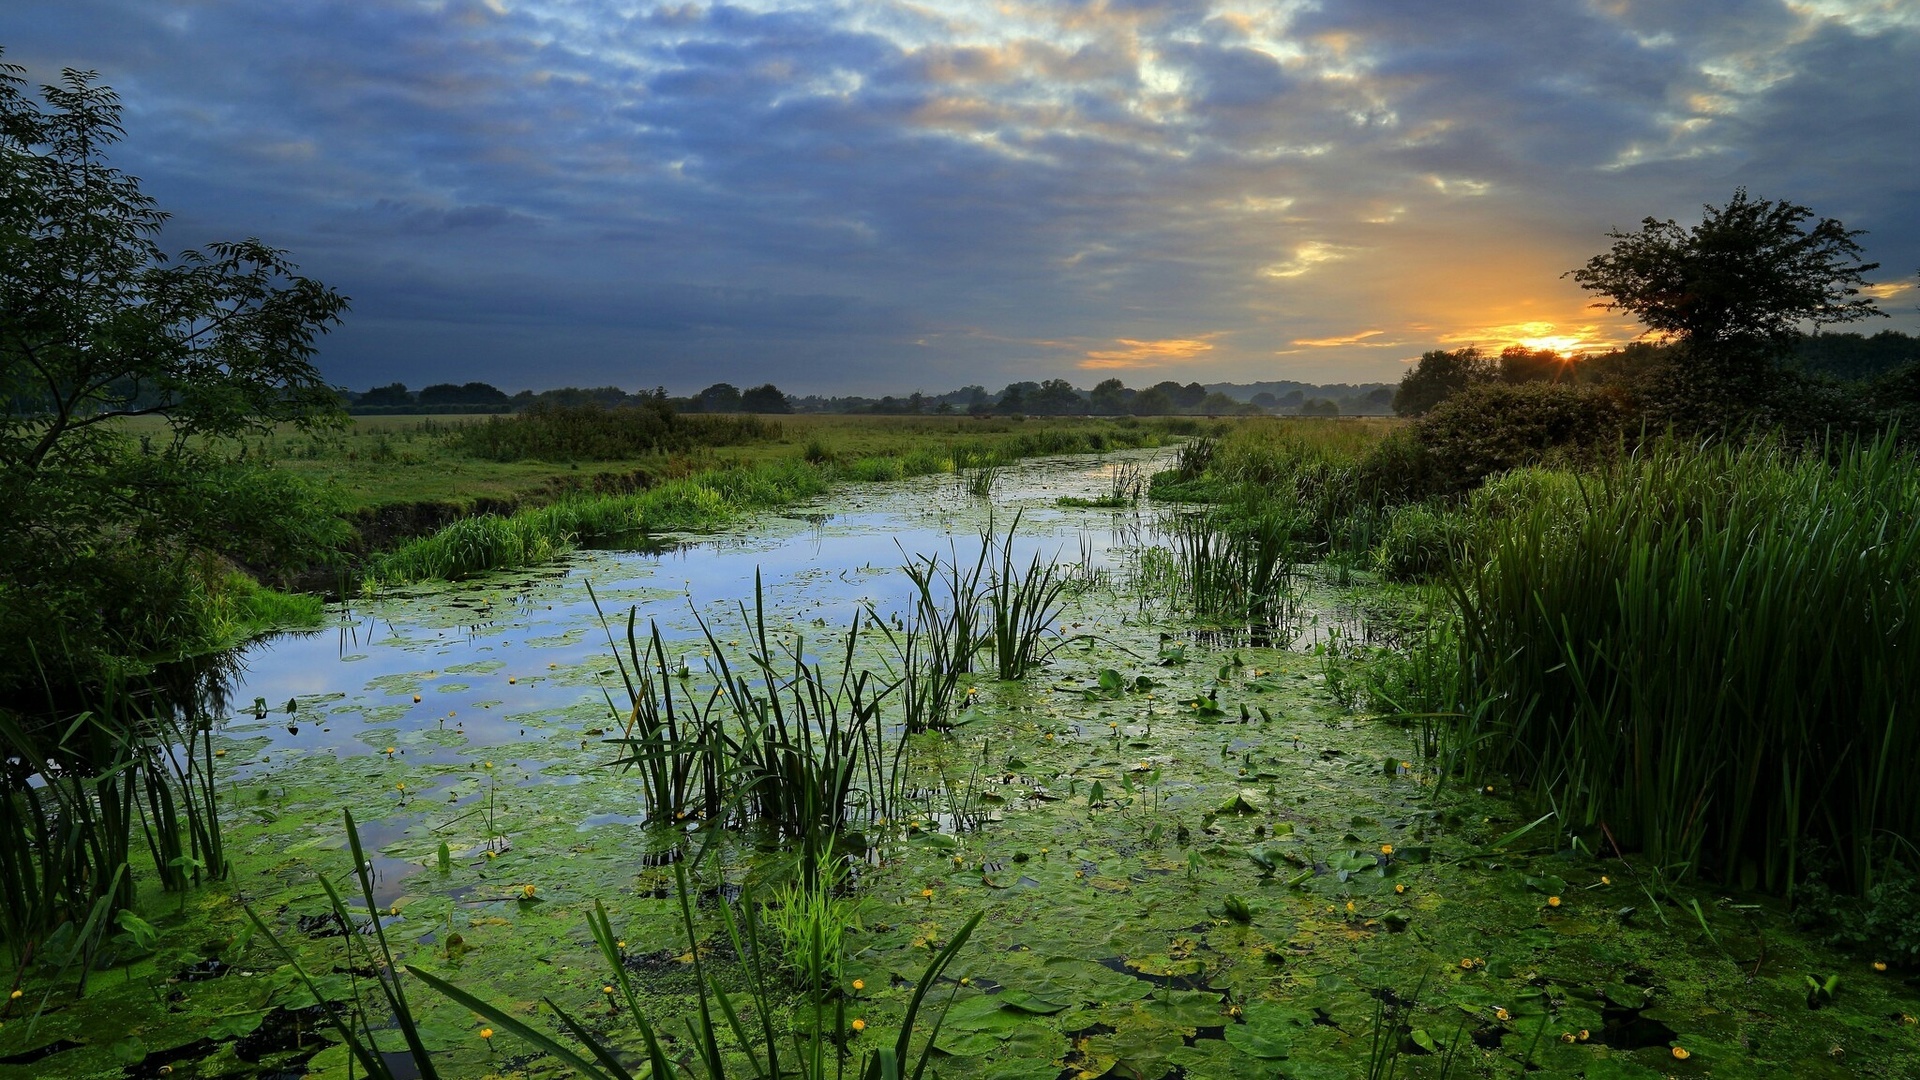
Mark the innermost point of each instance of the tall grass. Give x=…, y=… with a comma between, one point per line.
x=82, y=796
x=781, y=742
x=937, y=645
x=1709, y=652
x=1022, y=605
x=1235, y=562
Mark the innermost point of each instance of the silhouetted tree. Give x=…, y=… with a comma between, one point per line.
x=720, y=397
x=764, y=399
x=1733, y=290
x=1152, y=401
x=392, y=395
x=1110, y=396
x=1438, y=375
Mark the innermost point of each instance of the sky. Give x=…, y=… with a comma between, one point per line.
x=878, y=196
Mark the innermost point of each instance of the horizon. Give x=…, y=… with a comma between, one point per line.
x=836, y=199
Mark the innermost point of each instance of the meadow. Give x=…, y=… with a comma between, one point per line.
x=1297, y=760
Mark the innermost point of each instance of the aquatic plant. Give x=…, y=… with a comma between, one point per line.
x=936, y=645
x=682, y=754
x=81, y=792
x=979, y=484
x=1705, y=650
x=814, y=1057
x=1021, y=605
x=1235, y=562
x=810, y=921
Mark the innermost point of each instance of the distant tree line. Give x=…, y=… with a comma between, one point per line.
x=1053, y=397
x=1843, y=379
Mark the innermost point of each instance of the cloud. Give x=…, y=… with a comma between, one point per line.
x=1148, y=354
x=803, y=192
x=1345, y=339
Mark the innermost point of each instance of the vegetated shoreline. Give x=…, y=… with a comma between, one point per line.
x=717, y=496
x=1323, y=870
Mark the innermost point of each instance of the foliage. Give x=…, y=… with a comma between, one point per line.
x=1493, y=427
x=1734, y=289
x=82, y=795
x=1644, y=646
x=1884, y=923
x=110, y=552
x=590, y=432
x=1439, y=375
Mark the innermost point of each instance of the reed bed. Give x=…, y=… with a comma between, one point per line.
x=1705, y=655
x=83, y=795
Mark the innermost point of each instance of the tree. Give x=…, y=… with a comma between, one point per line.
x=1734, y=290
x=1152, y=401
x=1439, y=375
x=109, y=550
x=392, y=395
x=1056, y=397
x=764, y=399
x=1109, y=397
x=720, y=397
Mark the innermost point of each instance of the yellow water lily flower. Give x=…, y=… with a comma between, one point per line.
x=1681, y=1053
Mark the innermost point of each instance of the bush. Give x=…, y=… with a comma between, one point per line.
x=1490, y=428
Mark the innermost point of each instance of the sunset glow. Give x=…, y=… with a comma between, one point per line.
x=884, y=196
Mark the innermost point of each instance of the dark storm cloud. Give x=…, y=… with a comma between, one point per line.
x=879, y=195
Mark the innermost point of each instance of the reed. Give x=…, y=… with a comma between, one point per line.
x=815, y=1050
x=1022, y=606
x=83, y=794
x=1707, y=652
x=1235, y=563
x=941, y=636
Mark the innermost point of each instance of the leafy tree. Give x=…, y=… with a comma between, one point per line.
x=1733, y=290
x=1438, y=375
x=720, y=397
x=764, y=399
x=108, y=550
x=473, y=393
x=1218, y=404
x=1520, y=364
x=1319, y=407
x=1110, y=396
x=1152, y=401
x=392, y=395
x=1056, y=397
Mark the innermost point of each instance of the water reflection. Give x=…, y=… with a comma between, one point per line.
x=437, y=673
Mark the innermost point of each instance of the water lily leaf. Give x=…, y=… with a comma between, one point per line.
x=1186, y=1009
x=1030, y=1003
x=1268, y=1031
x=129, y=1051
x=1065, y=978
x=1549, y=884
x=1138, y=1050
x=1245, y=801
x=1627, y=997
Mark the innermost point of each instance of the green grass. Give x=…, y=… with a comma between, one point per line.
x=1705, y=655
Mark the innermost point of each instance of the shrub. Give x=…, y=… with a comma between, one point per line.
x=1493, y=427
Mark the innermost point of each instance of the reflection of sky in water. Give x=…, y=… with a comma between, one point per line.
x=457, y=646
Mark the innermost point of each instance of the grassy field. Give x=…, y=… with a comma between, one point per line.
x=383, y=460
